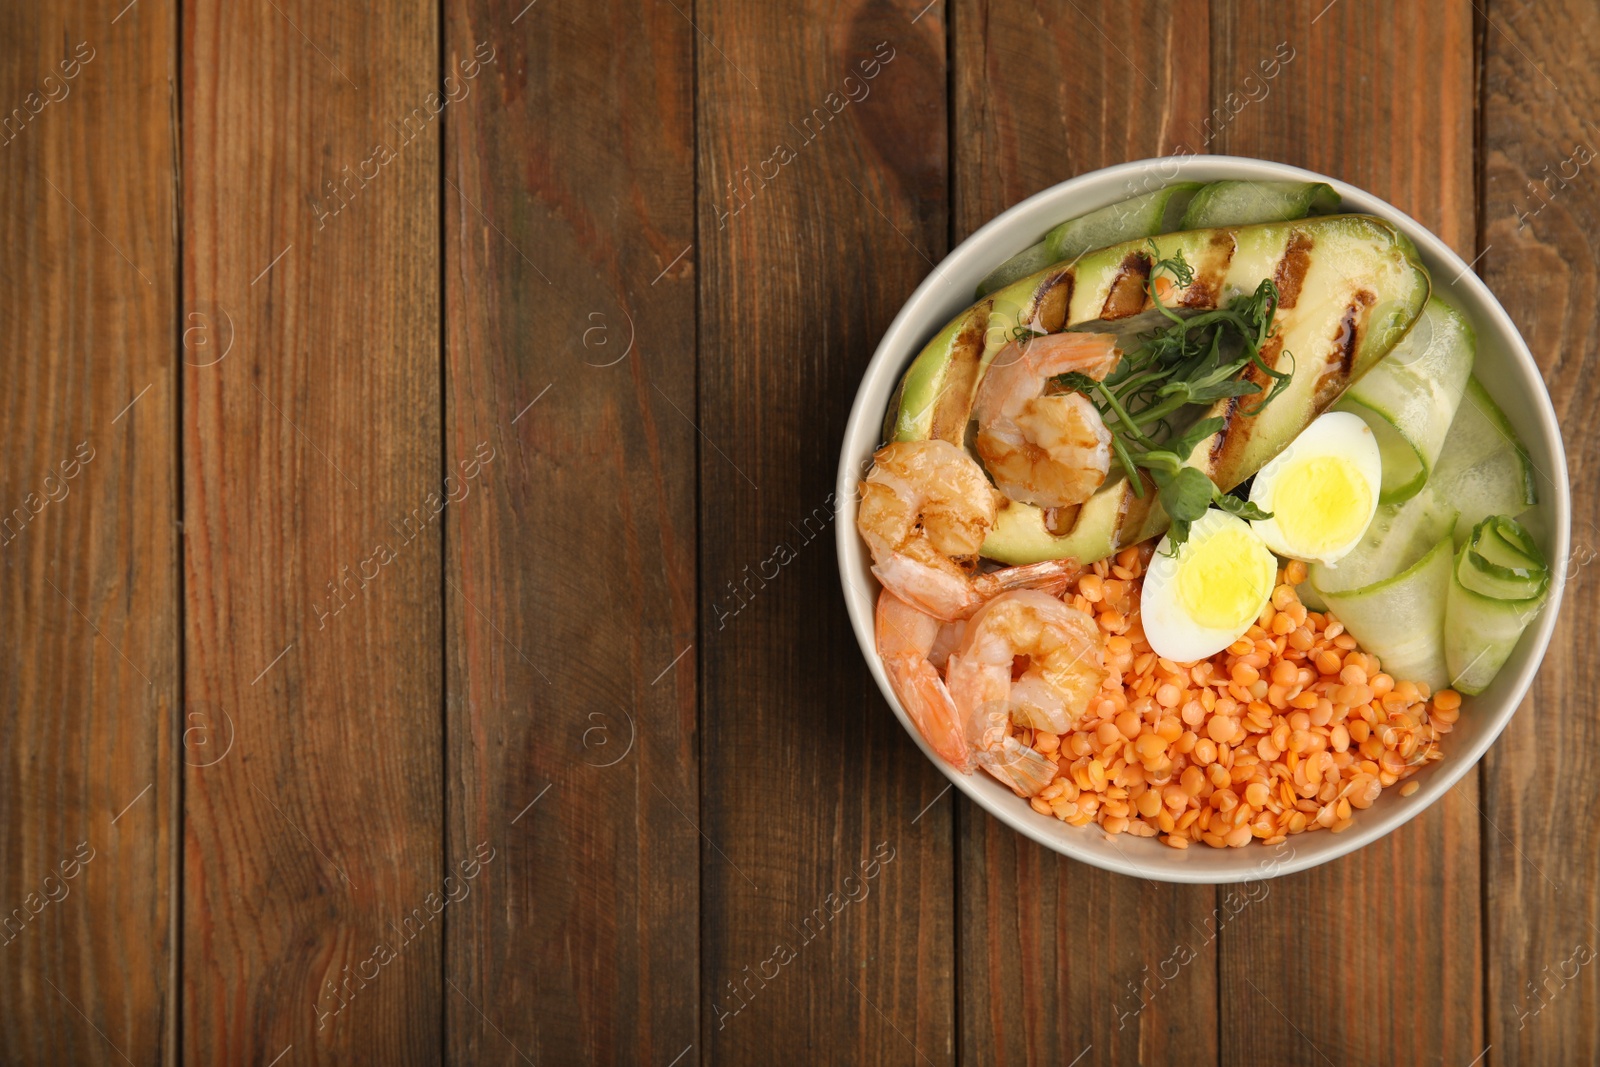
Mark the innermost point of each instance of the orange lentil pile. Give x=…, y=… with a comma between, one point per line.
x=1291, y=728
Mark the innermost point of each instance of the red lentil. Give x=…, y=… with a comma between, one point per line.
x=1291, y=729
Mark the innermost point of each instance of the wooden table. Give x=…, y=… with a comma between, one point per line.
x=420, y=633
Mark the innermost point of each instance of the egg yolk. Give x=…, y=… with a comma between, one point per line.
x=1321, y=505
x=1220, y=579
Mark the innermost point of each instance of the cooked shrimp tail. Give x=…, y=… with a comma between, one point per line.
x=1064, y=656
x=1051, y=576
x=1020, y=767
x=925, y=510
x=906, y=636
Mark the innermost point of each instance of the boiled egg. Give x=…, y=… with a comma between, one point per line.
x=1322, y=490
x=1197, y=602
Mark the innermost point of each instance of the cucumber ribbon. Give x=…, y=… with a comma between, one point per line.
x=1498, y=585
x=1172, y=208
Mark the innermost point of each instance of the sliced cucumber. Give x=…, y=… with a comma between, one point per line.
x=1502, y=553
x=1030, y=259
x=1242, y=203
x=1399, y=535
x=1401, y=619
x=1483, y=469
x=1310, y=597
x=1502, y=583
x=1142, y=216
x=1410, y=399
x=1489, y=604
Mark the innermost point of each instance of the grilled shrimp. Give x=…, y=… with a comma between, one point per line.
x=906, y=637
x=1052, y=451
x=925, y=509
x=1065, y=659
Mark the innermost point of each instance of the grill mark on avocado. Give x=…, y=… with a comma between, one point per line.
x=1292, y=268
x=1352, y=327
x=1127, y=293
x=953, y=408
x=1206, y=289
x=1061, y=521
x=1135, y=512
x=1051, y=301
x=1237, y=426
x=1219, y=446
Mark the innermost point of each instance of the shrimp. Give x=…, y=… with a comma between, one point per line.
x=1065, y=657
x=925, y=510
x=906, y=636
x=1049, y=450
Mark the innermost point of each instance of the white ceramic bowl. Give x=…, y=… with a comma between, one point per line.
x=1503, y=364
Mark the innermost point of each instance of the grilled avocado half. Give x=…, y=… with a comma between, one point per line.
x=1350, y=286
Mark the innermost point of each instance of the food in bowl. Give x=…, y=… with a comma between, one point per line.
x=1201, y=533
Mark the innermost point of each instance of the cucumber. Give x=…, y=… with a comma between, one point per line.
x=1179, y=206
x=1030, y=260
x=1502, y=554
x=1490, y=604
x=1243, y=203
x=1483, y=469
x=1141, y=216
x=1410, y=399
x=1310, y=597
x=1399, y=536
x=1502, y=583
x=1401, y=620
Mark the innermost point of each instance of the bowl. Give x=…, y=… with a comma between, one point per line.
x=1505, y=367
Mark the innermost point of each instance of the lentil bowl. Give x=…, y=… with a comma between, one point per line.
x=1293, y=728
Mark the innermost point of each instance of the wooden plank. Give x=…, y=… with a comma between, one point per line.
x=571, y=557
x=313, y=849
x=827, y=901
x=1060, y=959
x=88, y=552
x=1540, y=212
x=1382, y=98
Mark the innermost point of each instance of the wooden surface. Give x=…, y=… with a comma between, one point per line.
x=313, y=631
x=572, y=644
x=89, y=553
x=440, y=657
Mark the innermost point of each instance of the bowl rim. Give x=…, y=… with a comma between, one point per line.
x=917, y=320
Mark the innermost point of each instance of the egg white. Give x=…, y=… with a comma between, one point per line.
x=1170, y=627
x=1338, y=435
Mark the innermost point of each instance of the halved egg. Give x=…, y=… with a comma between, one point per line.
x=1322, y=490
x=1198, y=602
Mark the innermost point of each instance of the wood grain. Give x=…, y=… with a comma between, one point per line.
x=617, y=282
x=828, y=904
x=1352, y=961
x=569, y=192
x=313, y=857
x=1543, y=929
x=88, y=552
x=1059, y=959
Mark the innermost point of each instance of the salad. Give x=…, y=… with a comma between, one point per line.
x=1196, y=525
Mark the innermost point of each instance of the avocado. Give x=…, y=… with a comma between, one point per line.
x=934, y=399
x=1350, y=286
